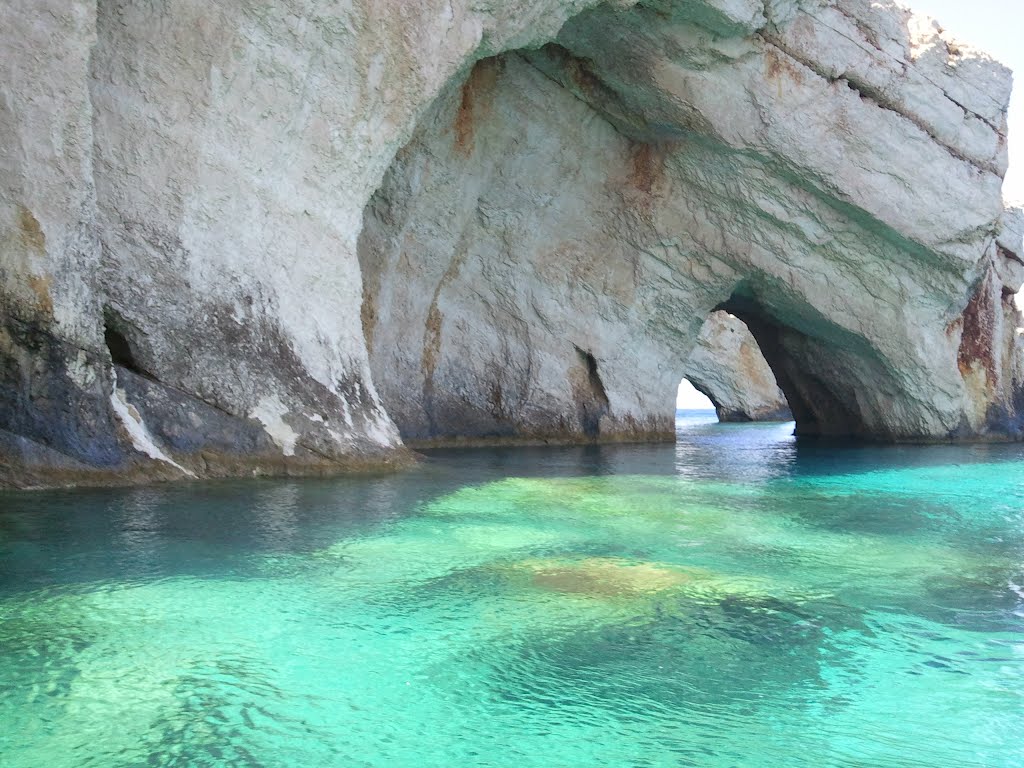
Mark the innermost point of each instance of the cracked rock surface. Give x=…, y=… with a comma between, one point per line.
x=280, y=237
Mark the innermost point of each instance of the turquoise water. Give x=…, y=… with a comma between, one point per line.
x=734, y=600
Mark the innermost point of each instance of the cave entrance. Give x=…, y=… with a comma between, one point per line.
x=834, y=382
x=727, y=374
x=542, y=311
x=116, y=335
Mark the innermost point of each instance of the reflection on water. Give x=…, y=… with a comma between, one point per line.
x=748, y=451
x=737, y=599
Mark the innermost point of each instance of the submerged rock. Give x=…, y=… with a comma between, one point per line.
x=612, y=578
x=605, y=576
x=338, y=228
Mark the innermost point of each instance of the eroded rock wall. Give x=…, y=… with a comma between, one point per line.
x=577, y=185
x=849, y=256
x=54, y=392
x=687, y=205
x=190, y=178
x=504, y=295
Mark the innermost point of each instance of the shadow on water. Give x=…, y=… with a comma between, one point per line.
x=200, y=528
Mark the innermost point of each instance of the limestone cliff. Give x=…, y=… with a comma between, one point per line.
x=727, y=366
x=265, y=237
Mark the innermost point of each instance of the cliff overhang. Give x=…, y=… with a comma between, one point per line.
x=274, y=238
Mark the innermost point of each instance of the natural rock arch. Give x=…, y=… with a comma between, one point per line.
x=729, y=369
x=522, y=223
x=202, y=171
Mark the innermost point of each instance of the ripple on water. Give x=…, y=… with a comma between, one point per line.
x=731, y=601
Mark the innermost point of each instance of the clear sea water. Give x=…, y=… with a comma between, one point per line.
x=738, y=599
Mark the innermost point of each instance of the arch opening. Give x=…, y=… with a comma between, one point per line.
x=689, y=398
x=491, y=327
x=727, y=373
x=831, y=379
x=541, y=255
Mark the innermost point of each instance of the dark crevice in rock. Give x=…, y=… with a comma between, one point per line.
x=591, y=398
x=817, y=406
x=878, y=50
x=596, y=385
x=121, y=351
x=1009, y=255
x=122, y=341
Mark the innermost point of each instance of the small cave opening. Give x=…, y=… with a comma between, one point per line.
x=819, y=367
x=122, y=352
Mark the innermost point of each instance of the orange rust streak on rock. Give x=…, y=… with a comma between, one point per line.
x=648, y=167
x=477, y=95
x=31, y=232
x=978, y=339
x=40, y=285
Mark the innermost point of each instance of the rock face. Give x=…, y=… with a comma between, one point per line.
x=727, y=366
x=271, y=237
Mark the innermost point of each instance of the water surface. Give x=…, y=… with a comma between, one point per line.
x=735, y=600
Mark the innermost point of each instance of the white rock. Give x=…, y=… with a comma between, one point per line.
x=555, y=225
x=728, y=367
x=137, y=432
